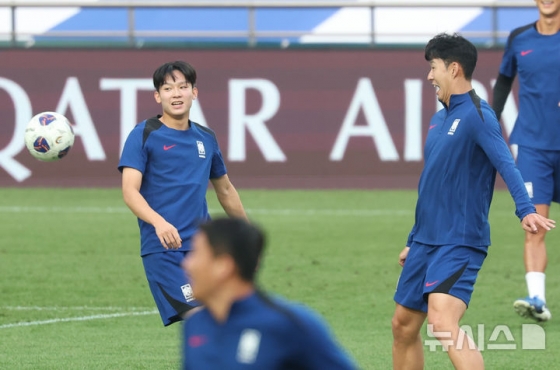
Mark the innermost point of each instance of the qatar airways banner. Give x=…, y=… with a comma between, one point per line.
x=283, y=118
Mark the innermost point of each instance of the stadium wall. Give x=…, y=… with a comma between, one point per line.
x=284, y=118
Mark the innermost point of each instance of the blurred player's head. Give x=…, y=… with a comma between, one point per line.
x=548, y=8
x=223, y=250
x=453, y=49
x=167, y=70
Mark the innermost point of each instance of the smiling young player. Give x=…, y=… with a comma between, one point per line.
x=533, y=53
x=166, y=164
x=450, y=238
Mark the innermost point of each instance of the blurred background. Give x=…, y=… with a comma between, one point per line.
x=301, y=94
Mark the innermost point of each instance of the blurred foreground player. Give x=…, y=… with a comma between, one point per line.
x=533, y=53
x=240, y=327
x=166, y=164
x=450, y=238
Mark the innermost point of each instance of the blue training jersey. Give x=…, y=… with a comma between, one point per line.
x=176, y=166
x=261, y=333
x=463, y=150
x=536, y=59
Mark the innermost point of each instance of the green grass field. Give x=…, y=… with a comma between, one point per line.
x=73, y=293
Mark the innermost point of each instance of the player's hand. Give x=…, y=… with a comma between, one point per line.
x=168, y=235
x=533, y=222
x=403, y=255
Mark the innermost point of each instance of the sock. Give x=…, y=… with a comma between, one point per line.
x=535, y=284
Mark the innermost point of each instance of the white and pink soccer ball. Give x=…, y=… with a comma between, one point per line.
x=49, y=136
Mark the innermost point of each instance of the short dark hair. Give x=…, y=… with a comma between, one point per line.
x=453, y=48
x=243, y=241
x=167, y=70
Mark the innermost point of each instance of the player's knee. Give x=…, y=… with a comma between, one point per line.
x=441, y=326
x=403, y=329
x=535, y=240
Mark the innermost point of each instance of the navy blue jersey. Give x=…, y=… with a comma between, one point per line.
x=176, y=166
x=536, y=59
x=261, y=333
x=463, y=150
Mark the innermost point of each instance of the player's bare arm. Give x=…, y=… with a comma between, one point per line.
x=167, y=233
x=533, y=222
x=403, y=255
x=228, y=197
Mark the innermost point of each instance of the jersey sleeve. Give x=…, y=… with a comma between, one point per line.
x=218, y=168
x=488, y=135
x=508, y=67
x=411, y=236
x=502, y=88
x=134, y=152
x=504, y=82
x=321, y=351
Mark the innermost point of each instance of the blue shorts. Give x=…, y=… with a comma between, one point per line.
x=450, y=269
x=540, y=170
x=169, y=284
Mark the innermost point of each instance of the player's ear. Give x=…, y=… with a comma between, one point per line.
x=157, y=97
x=456, y=69
x=195, y=92
x=225, y=266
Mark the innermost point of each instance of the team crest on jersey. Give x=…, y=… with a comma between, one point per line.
x=248, y=347
x=187, y=292
x=454, y=127
x=201, y=150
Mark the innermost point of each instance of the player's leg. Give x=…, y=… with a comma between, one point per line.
x=410, y=311
x=408, y=351
x=534, y=305
x=444, y=313
x=537, y=169
x=450, y=280
x=535, y=256
x=169, y=285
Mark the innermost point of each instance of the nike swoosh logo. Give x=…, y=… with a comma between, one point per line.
x=432, y=126
x=525, y=52
x=197, y=340
x=165, y=147
x=432, y=283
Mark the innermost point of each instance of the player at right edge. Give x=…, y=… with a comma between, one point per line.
x=533, y=53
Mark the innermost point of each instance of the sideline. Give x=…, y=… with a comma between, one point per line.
x=259, y=211
x=82, y=318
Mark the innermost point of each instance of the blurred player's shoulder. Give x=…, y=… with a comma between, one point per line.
x=190, y=313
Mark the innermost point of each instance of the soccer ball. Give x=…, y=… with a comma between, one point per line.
x=49, y=136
